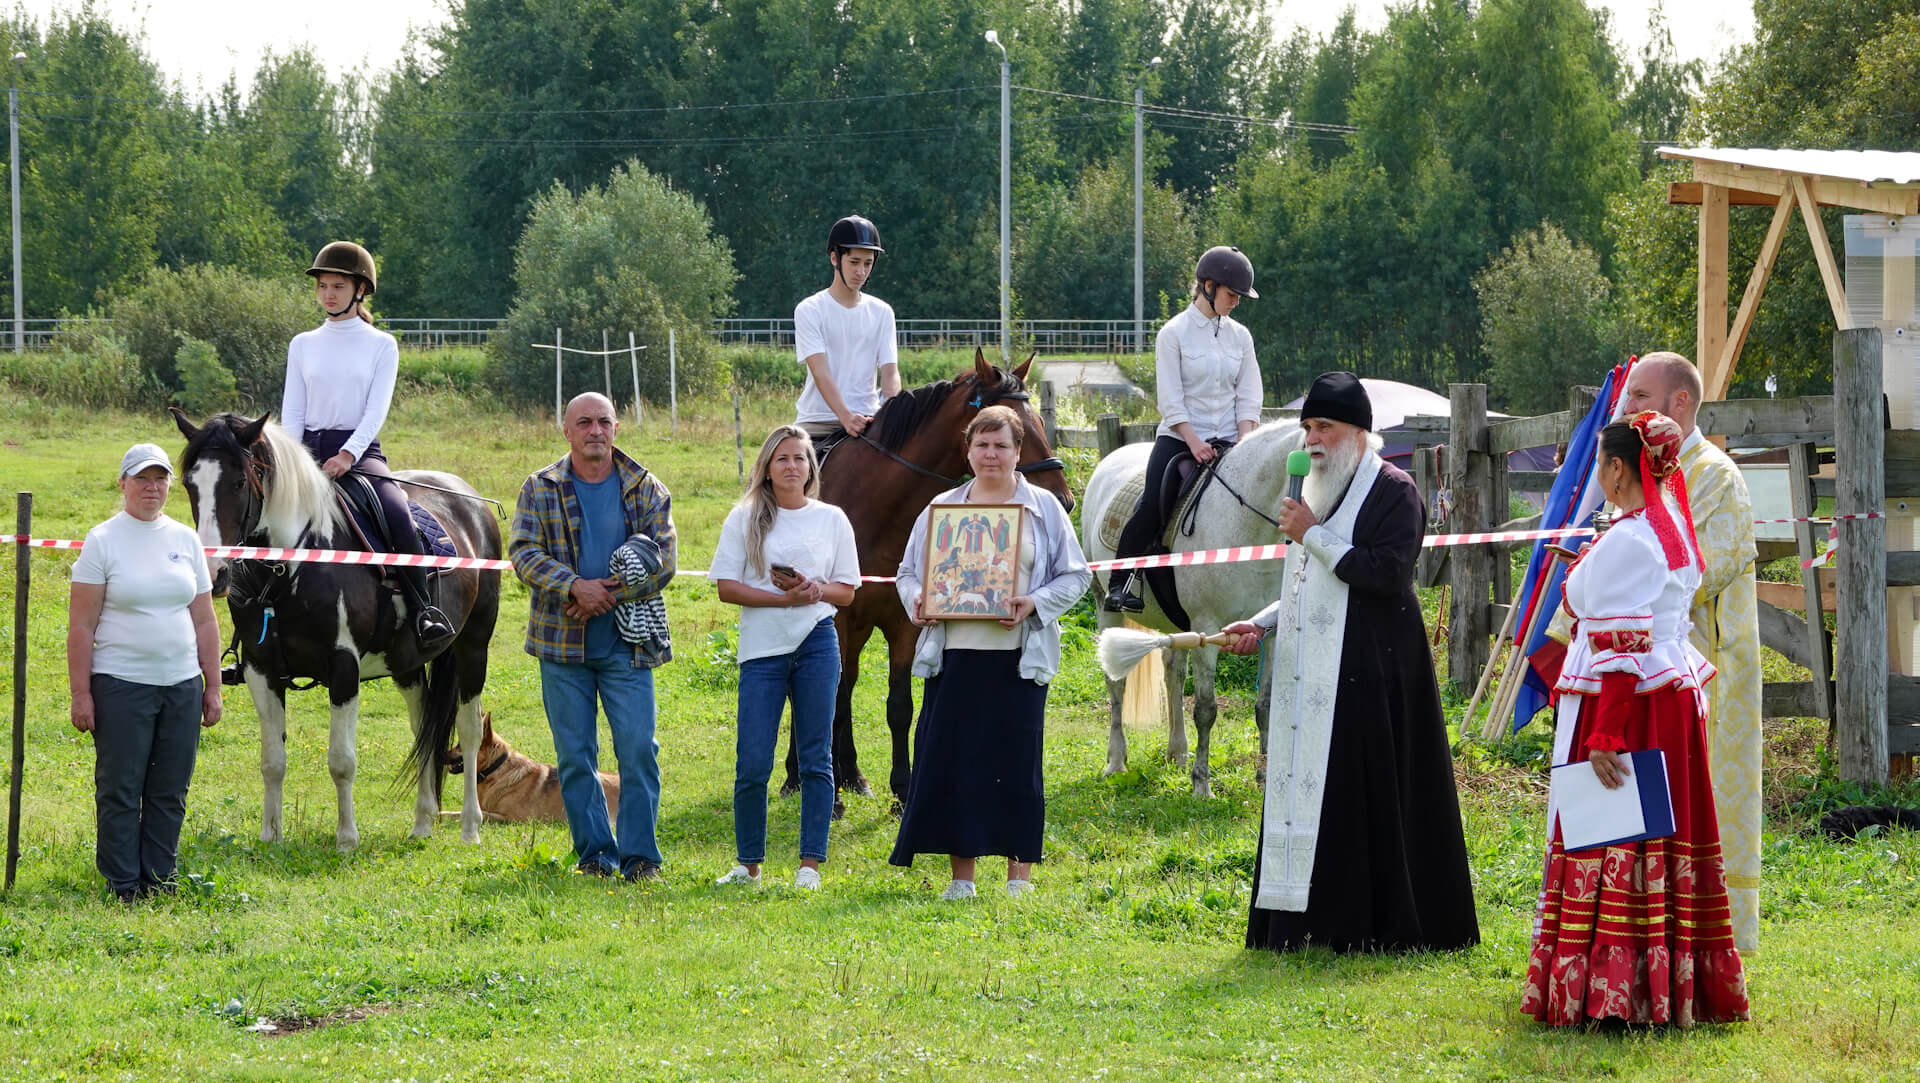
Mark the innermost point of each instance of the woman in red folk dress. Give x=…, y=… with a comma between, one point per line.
x=1638, y=932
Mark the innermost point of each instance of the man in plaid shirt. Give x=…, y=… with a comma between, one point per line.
x=570, y=518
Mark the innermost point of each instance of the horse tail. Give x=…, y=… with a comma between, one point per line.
x=440, y=711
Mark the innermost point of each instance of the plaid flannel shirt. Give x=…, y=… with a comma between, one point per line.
x=544, y=548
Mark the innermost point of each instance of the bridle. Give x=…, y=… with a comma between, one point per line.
x=1038, y=466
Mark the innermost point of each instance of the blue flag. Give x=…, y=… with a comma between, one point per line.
x=1572, y=502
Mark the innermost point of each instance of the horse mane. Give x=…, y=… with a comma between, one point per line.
x=299, y=495
x=901, y=416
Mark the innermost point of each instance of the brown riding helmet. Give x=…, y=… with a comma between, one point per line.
x=345, y=258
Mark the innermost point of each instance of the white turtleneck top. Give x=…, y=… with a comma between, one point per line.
x=340, y=376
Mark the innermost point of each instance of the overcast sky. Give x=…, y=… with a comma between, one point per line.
x=202, y=42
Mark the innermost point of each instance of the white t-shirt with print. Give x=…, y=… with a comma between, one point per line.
x=152, y=572
x=816, y=541
x=858, y=342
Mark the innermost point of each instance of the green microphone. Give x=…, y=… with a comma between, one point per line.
x=1299, y=462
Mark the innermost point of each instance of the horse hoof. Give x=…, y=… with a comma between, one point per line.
x=839, y=809
x=1203, y=789
x=1112, y=769
x=789, y=788
x=345, y=843
x=421, y=831
x=860, y=787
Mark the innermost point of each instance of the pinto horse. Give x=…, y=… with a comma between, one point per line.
x=250, y=483
x=913, y=450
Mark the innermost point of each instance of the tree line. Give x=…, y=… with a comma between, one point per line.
x=1470, y=190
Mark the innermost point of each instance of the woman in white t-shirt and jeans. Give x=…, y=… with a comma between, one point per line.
x=143, y=663
x=787, y=560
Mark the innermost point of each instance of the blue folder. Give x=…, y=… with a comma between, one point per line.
x=1592, y=816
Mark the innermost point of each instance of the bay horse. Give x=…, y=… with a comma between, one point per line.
x=912, y=451
x=1214, y=595
x=249, y=482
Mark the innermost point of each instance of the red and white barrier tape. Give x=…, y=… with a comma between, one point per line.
x=1232, y=555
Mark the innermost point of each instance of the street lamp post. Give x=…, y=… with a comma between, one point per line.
x=1139, y=213
x=13, y=177
x=1006, y=250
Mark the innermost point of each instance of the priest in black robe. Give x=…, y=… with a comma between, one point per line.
x=1361, y=846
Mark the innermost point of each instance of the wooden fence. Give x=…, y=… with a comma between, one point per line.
x=1462, y=460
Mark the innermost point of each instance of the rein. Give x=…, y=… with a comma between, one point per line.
x=1189, y=519
x=1038, y=466
x=499, y=508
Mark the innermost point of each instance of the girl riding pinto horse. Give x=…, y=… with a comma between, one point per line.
x=340, y=380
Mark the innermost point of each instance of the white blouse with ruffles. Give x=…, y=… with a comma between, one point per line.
x=1631, y=615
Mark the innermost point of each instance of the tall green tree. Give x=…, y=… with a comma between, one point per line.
x=294, y=141
x=91, y=170
x=1079, y=248
x=1547, y=321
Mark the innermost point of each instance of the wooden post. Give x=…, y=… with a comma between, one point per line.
x=606, y=362
x=1860, y=448
x=1800, y=466
x=1499, y=505
x=739, y=449
x=1711, y=300
x=1472, y=485
x=559, y=407
x=1426, y=478
x=1048, y=421
x=673, y=379
x=22, y=582
x=1109, y=433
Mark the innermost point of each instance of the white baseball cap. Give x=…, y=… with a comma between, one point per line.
x=141, y=456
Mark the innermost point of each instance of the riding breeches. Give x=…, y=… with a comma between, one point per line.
x=1143, y=530
x=325, y=444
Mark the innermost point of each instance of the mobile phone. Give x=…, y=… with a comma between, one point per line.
x=784, y=569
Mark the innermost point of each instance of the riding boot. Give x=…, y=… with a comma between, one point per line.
x=1120, y=595
x=430, y=625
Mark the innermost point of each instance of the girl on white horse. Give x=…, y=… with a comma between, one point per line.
x=1208, y=384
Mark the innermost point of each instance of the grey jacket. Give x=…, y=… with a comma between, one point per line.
x=1060, y=577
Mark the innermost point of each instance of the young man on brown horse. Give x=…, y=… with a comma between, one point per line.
x=845, y=339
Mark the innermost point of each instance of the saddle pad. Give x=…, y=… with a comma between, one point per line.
x=1120, y=508
x=437, y=542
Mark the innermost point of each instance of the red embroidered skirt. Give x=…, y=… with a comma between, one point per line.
x=1641, y=932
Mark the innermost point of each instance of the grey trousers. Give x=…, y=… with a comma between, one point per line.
x=144, y=740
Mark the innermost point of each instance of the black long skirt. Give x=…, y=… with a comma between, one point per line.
x=976, y=788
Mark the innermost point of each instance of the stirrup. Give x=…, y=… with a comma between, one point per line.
x=432, y=626
x=1122, y=599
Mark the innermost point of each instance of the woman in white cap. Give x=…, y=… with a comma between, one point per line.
x=143, y=659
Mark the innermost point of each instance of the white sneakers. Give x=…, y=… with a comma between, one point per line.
x=738, y=875
x=807, y=879
x=1017, y=888
x=958, y=890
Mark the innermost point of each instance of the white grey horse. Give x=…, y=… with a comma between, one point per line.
x=1214, y=595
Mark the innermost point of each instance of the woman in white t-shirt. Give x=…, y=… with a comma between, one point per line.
x=787, y=560
x=143, y=663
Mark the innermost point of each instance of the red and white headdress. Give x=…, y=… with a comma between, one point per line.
x=1660, y=470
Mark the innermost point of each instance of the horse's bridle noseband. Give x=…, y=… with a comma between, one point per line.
x=1038, y=466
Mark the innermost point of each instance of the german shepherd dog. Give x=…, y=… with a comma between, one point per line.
x=515, y=788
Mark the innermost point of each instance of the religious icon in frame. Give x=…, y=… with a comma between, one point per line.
x=973, y=561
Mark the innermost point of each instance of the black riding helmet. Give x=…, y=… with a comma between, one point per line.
x=1227, y=266
x=853, y=231
x=346, y=258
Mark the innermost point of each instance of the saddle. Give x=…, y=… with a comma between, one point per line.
x=1180, y=488
x=368, y=521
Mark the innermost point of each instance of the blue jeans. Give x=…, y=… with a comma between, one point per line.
x=568, y=690
x=809, y=677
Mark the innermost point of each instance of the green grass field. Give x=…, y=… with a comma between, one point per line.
x=432, y=960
